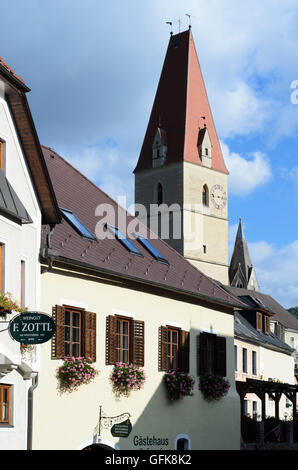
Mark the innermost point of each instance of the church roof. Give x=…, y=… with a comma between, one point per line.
x=79, y=196
x=181, y=108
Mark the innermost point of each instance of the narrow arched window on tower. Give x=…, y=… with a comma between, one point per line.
x=159, y=194
x=205, y=195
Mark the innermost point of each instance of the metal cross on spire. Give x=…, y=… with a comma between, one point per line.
x=179, y=23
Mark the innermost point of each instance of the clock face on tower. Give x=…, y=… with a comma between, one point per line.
x=218, y=196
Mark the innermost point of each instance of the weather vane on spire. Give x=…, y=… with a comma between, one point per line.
x=189, y=16
x=170, y=23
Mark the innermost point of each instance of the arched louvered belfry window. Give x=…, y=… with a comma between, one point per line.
x=159, y=194
x=205, y=195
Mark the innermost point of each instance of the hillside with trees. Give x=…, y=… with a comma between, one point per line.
x=294, y=311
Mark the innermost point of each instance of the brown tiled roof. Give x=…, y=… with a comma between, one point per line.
x=280, y=313
x=76, y=193
x=181, y=108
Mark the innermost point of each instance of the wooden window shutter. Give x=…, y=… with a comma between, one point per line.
x=89, y=335
x=203, y=353
x=138, y=337
x=58, y=349
x=221, y=367
x=184, y=355
x=163, y=348
x=198, y=355
x=259, y=321
x=111, y=340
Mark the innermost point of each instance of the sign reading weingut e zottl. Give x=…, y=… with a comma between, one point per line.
x=32, y=328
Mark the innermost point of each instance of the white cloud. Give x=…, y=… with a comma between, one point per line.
x=261, y=251
x=246, y=174
x=276, y=270
x=103, y=165
x=239, y=110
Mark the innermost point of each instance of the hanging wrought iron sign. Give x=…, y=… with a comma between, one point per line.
x=122, y=429
x=120, y=425
x=32, y=328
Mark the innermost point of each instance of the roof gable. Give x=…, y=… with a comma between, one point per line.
x=14, y=90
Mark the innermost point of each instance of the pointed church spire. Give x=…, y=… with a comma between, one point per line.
x=241, y=271
x=181, y=99
x=240, y=232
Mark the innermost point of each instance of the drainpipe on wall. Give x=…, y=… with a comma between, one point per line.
x=30, y=411
x=47, y=252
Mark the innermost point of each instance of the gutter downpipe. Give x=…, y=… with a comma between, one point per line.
x=30, y=411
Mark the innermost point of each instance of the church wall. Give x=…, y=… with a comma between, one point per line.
x=211, y=223
x=171, y=179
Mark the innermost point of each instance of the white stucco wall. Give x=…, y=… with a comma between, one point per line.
x=21, y=242
x=70, y=420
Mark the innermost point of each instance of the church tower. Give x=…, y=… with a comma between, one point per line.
x=241, y=271
x=181, y=175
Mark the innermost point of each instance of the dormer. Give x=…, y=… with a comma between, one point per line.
x=159, y=148
x=205, y=147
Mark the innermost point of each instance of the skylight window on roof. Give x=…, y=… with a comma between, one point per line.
x=259, y=301
x=154, y=252
x=72, y=219
x=124, y=240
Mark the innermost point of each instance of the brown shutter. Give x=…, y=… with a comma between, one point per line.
x=163, y=348
x=111, y=340
x=259, y=321
x=138, y=337
x=89, y=335
x=221, y=368
x=198, y=345
x=58, y=348
x=203, y=356
x=184, y=364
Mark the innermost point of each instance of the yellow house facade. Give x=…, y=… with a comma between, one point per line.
x=162, y=308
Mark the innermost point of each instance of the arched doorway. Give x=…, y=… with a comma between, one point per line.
x=99, y=447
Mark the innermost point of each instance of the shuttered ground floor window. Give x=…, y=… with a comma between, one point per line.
x=75, y=333
x=5, y=404
x=173, y=349
x=124, y=340
x=211, y=354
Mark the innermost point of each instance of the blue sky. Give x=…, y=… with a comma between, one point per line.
x=93, y=68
